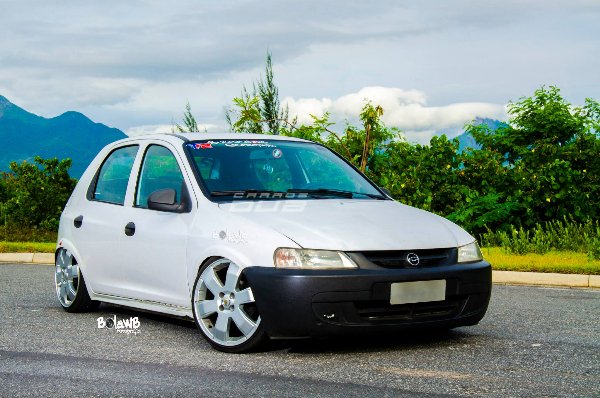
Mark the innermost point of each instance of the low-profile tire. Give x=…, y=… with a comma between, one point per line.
x=224, y=308
x=70, y=286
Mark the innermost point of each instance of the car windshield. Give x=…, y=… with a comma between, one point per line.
x=243, y=169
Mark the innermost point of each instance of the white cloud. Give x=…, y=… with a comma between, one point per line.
x=404, y=109
x=167, y=129
x=137, y=63
x=149, y=129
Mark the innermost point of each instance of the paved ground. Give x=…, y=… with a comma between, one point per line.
x=533, y=342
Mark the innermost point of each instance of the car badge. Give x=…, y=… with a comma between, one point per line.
x=412, y=259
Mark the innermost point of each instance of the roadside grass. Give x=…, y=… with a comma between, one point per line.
x=562, y=262
x=27, y=247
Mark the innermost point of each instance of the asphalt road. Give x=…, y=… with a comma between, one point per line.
x=533, y=342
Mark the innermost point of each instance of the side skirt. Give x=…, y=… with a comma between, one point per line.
x=147, y=305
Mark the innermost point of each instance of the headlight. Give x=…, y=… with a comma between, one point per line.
x=312, y=259
x=469, y=253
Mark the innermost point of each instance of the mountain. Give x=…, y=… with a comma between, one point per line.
x=466, y=140
x=24, y=135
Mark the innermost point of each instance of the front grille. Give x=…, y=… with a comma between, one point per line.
x=374, y=311
x=399, y=259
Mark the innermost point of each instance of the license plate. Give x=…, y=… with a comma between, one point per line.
x=418, y=292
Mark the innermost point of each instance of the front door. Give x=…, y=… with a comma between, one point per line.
x=154, y=251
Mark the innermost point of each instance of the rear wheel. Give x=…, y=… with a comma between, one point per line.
x=70, y=285
x=224, y=308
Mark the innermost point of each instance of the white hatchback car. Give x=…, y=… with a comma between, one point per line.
x=259, y=236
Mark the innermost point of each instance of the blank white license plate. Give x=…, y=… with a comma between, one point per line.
x=418, y=292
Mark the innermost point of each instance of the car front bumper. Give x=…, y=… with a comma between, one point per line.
x=308, y=303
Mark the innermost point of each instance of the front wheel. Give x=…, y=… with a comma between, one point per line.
x=224, y=308
x=70, y=285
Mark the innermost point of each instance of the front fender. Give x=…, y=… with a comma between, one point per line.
x=197, y=258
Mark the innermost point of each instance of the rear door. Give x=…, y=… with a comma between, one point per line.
x=101, y=219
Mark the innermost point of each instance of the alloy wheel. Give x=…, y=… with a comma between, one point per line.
x=224, y=304
x=66, y=277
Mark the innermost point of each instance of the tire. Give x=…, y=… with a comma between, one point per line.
x=224, y=308
x=70, y=286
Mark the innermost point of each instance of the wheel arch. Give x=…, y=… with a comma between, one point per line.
x=68, y=245
x=198, y=260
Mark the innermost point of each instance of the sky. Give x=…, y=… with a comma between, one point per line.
x=431, y=64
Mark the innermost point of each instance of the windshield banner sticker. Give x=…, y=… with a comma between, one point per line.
x=234, y=144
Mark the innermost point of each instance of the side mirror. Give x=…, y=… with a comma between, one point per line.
x=166, y=200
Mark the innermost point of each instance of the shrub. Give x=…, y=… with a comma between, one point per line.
x=36, y=193
x=565, y=235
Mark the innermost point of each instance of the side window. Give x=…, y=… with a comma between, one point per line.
x=159, y=171
x=111, y=184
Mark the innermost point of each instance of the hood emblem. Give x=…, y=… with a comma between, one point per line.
x=412, y=259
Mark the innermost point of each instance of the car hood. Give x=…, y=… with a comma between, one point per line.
x=352, y=224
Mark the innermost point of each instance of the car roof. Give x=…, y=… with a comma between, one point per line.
x=178, y=138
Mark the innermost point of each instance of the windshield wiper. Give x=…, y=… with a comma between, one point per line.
x=335, y=192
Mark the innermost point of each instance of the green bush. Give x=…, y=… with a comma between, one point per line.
x=565, y=235
x=35, y=194
x=594, y=249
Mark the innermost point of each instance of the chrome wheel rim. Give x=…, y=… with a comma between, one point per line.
x=224, y=304
x=66, y=277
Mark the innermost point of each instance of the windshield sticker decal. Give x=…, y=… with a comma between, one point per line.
x=234, y=144
x=276, y=153
x=206, y=145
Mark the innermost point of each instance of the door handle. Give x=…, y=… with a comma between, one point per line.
x=78, y=221
x=130, y=229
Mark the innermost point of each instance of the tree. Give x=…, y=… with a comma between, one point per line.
x=189, y=122
x=260, y=111
x=3, y=189
x=271, y=110
x=549, y=155
x=37, y=192
x=247, y=114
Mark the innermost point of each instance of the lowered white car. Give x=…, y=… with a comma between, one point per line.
x=258, y=237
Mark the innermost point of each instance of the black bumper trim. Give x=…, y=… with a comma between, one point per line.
x=306, y=303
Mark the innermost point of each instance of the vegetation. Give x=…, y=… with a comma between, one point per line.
x=260, y=110
x=531, y=186
x=27, y=247
x=32, y=197
x=553, y=235
x=562, y=262
x=189, y=122
x=540, y=166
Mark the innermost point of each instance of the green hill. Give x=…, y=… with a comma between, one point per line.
x=24, y=135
